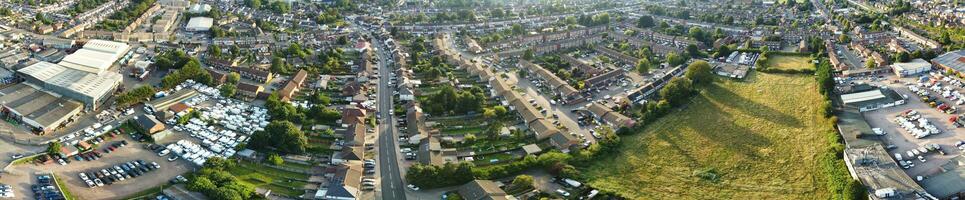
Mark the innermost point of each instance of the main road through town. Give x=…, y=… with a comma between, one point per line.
x=392, y=185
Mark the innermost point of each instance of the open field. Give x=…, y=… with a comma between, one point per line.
x=789, y=62
x=762, y=137
x=270, y=178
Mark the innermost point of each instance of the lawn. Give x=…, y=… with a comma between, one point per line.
x=789, y=62
x=269, y=178
x=761, y=137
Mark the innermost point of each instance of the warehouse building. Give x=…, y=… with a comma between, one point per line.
x=83, y=76
x=914, y=67
x=91, y=89
x=42, y=111
x=953, y=60
x=197, y=24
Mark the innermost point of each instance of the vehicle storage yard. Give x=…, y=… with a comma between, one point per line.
x=69, y=173
x=903, y=141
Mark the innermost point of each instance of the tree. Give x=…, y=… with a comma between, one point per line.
x=870, y=64
x=844, y=38
x=53, y=148
x=201, y=184
x=902, y=57
x=500, y=110
x=228, y=90
x=643, y=66
x=233, y=78
x=489, y=113
x=278, y=66
x=723, y=51
x=675, y=60
x=256, y=4
x=342, y=40
x=518, y=29
x=528, y=54
x=275, y=159
x=677, y=91
x=523, y=182
x=321, y=99
x=700, y=73
x=693, y=51
x=280, y=7
x=645, y=21
x=215, y=51
x=282, y=136
x=469, y=138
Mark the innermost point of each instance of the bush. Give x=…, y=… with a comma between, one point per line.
x=276, y=160
x=215, y=182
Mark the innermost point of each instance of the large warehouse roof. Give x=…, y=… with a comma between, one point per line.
x=862, y=96
x=89, y=84
x=38, y=108
x=953, y=59
x=199, y=24
x=96, y=56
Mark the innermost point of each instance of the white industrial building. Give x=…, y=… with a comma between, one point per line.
x=199, y=8
x=915, y=67
x=199, y=24
x=83, y=75
x=96, y=56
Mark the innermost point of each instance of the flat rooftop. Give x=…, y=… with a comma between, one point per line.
x=44, y=109
x=877, y=170
x=949, y=179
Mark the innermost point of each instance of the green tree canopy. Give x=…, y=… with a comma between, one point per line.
x=700, y=73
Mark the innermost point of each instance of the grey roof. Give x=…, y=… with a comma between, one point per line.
x=43, y=108
x=88, y=84
x=949, y=182
x=148, y=122
x=952, y=60
x=482, y=190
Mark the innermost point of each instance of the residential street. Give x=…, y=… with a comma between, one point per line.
x=391, y=174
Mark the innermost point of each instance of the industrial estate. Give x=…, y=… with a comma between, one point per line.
x=481, y=99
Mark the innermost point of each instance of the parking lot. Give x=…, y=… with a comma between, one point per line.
x=21, y=175
x=903, y=141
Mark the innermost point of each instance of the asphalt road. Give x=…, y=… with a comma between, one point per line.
x=392, y=184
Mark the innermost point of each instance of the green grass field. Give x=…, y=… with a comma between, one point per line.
x=762, y=137
x=269, y=178
x=789, y=62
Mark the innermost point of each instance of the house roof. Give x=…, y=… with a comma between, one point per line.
x=351, y=153
x=532, y=149
x=353, y=115
x=149, y=123
x=346, y=181
x=430, y=152
x=598, y=109
x=249, y=87
x=543, y=128
x=355, y=134
x=563, y=141
x=482, y=190
x=179, y=107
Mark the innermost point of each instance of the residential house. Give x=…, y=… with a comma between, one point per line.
x=483, y=190
x=248, y=91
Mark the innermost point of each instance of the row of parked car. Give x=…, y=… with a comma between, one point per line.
x=117, y=173
x=45, y=189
